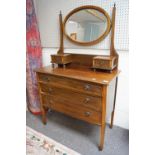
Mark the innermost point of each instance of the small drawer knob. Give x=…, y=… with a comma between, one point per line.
x=87, y=87
x=87, y=100
x=87, y=113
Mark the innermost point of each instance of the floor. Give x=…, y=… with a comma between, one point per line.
x=81, y=136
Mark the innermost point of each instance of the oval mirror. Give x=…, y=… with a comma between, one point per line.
x=87, y=25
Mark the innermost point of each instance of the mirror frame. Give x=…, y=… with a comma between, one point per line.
x=101, y=37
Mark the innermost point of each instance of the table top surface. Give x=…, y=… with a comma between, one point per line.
x=84, y=74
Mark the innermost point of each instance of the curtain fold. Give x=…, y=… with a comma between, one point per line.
x=33, y=57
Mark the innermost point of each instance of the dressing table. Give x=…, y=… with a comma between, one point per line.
x=79, y=85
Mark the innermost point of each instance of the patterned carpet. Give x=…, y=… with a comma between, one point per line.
x=38, y=144
x=79, y=135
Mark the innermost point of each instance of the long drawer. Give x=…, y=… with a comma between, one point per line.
x=72, y=98
x=72, y=84
x=72, y=110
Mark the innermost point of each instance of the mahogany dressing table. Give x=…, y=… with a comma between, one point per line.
x=80, y=85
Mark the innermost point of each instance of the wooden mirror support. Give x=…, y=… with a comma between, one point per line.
x=105, y=63
x=61, y=58
x=108, y=62
x=61, y=49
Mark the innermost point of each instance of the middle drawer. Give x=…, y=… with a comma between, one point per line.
x=63, y=96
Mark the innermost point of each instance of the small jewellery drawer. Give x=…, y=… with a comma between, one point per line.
x=67, y=96
x=73, y=84
x=75, y=111
x=105, y=62
x=102, y=64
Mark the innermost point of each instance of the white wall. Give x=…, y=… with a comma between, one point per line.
x=44, y=18
x=48, y=19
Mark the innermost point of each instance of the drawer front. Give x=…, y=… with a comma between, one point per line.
x=105, y=64
x=56, y=59
x=61, y=59
x=72, y=84
x=75, y=111
x=72, y=98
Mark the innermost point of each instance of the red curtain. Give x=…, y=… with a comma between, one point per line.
x=33, y=57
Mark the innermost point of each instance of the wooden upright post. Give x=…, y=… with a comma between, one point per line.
x=61, y=58
x=103, y=118
x=112, y=46
x=61, y=49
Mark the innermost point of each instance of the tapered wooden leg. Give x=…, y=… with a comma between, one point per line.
x=112, y=119
x=112, y=114
x=102, y=131
x=103, y=120
x=44, y=120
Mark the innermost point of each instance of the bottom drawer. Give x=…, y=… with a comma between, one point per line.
x=75, y=111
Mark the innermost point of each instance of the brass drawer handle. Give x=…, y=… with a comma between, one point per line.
x=50, y=90
x=87, y=100
x=87, y=113
x=87, y=87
